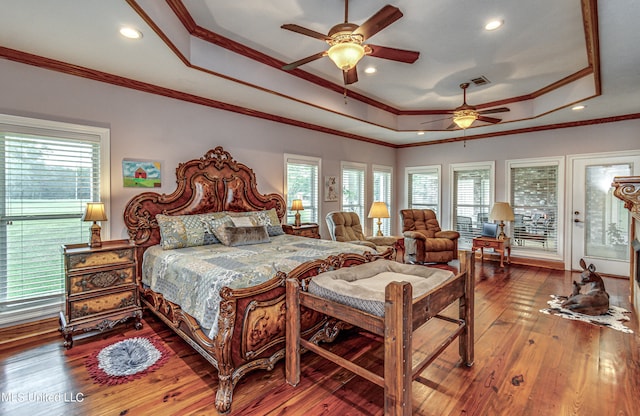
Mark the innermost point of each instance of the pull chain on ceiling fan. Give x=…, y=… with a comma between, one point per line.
x=346, y=41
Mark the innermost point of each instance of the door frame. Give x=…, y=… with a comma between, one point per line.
x=568, y=215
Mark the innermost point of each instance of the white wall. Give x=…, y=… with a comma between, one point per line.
x=148, y=126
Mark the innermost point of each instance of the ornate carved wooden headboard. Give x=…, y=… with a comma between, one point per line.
x=215, y=182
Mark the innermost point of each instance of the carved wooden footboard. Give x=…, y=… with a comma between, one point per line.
x=251, y=323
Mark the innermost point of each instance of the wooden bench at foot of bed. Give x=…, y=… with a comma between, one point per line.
x=403, y=314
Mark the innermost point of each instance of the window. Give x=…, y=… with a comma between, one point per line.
x=353, y=189
x=535, y=189
x=382, y=191
x=472, y=192
x=48, y=172
x=301, y=176
x=423, y=188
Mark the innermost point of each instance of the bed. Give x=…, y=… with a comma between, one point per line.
x=237, y=322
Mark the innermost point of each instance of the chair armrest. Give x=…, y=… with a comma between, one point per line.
x=451, y=235
x=415, y=235
x=382, y=240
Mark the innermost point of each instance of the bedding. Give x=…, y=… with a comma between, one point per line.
x=193, y=276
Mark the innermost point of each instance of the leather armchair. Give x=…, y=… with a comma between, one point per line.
x=346, y=227
x=424, y=241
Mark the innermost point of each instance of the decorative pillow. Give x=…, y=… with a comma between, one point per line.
x=270, y=219
x=243, y=221
x=217, y=227
x=178, y=231
x=240, y=236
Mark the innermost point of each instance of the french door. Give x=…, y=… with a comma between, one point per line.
x=599, y=222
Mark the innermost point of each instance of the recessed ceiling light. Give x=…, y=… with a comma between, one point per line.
x=578, y=107
x=370, y=70
x=130, y=33
x=420, y=133
x=493, y=25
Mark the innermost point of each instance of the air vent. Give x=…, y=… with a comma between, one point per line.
x=482, y=80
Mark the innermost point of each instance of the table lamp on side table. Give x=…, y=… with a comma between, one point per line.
x=296, y=205
x=95, y=212
x=502, y=212
x=379, y=210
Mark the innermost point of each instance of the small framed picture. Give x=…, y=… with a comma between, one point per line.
x=141, y=174
x=330, y=189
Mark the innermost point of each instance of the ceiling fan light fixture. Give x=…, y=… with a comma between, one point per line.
x=346, y=55
x=464, y=118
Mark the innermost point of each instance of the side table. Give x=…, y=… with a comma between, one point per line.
x=307, y=229
x=499, y=246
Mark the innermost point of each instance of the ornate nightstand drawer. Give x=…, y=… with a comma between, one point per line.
x=87, y=307
x=101, y=280
x=100, y=258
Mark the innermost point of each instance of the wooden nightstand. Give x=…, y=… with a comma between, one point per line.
x=499, y=246
x=308, y=229
x=100, y=288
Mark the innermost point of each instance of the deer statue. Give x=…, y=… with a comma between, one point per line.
x=595, y=301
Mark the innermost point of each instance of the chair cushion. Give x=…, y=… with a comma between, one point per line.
x=346, y=226
x=363, y=286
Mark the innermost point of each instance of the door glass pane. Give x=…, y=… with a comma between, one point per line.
x=606, y=221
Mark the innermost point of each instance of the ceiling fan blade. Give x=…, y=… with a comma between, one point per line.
x=305, y=31
x=350, y=76
x=494, y=110
x=489, y=119
x=303, y=61
x=452, y=126
x=385, y=16
x=433, y=121
x=394, y=54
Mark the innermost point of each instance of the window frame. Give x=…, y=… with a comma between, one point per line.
x=465, y=167
x=387, y=223
x=302, y=160
x=26, y=310
x=559, y=162
x=345, y=165
x=423, y=170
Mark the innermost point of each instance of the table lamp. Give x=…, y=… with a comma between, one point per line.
x=95, y=212
x=379, y=210
x=502, y=212
x=296, y=205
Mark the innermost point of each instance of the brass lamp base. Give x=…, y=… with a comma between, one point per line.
x=95, y=241
x=379, y=233
x=502, y=235
x=297, y=221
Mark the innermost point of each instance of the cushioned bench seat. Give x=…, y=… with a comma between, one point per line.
x=363, y=287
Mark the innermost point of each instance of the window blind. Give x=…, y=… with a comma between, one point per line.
x=471, y=202
x=302, y=183
x=534, y=198
x=353, y=190
x=424, y=189
x=45, y=185
x=382, y=180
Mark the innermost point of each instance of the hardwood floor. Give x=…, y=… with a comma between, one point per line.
x=526, y=363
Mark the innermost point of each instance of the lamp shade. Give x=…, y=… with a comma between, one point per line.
x=379, y=210
x=502, y=211
x=296, y=205
x=94, y=212
x=464, y=118
x=346, y=55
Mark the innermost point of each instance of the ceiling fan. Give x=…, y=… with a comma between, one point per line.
x=346, y=42
x=465, y=115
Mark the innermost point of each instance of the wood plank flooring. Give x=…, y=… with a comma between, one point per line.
x=526, y=363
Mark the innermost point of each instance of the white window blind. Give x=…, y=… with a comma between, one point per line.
x=353, y=189
x=46, y=181
x=302, y=175
x=382, y=191
x=423, y=188
x=471, y=200
x=534, y=198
